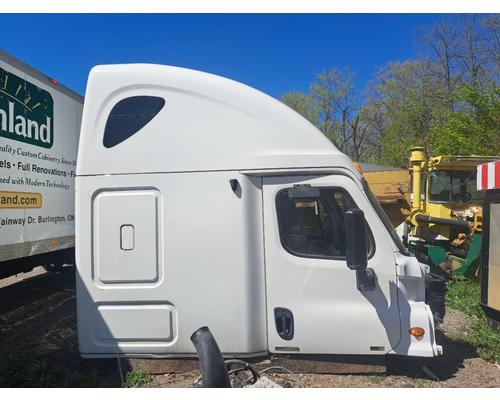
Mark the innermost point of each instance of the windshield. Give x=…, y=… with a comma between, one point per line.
x=454, y=187
x=385, y=220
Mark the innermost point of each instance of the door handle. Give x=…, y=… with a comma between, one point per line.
x=283, y=318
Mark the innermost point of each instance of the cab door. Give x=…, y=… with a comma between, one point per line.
x=313, y=303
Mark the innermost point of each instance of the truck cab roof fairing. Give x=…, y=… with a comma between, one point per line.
x=201, y=112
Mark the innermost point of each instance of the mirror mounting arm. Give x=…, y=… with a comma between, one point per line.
x=365, y=279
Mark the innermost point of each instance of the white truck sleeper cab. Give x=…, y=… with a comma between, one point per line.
x=201, y=201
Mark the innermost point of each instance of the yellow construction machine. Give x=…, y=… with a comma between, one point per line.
x=391, y=187
x=436, y=208
x=445, y=223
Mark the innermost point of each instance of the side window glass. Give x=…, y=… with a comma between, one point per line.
x=316, y=228
x=128, y=116
x=439, y=186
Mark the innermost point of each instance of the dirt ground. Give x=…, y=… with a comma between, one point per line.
x=38, y=347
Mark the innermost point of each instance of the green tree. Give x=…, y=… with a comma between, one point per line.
x=446, y=100
x=410, y=102
x=475, y=128
x=333, y=106
x=303, y=104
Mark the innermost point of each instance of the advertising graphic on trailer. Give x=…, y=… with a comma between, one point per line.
x=38, y=141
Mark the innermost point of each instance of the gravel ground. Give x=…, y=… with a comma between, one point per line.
x=38, y=311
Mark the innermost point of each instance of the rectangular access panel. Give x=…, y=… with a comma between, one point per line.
x=134, y=322
x=125, y=241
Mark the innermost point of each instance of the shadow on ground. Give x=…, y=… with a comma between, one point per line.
x=38, y=342
x=443, y=367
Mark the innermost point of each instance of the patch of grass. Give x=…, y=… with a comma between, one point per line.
x=423, y=383
x=137, y=378
x=83, y=380
x=378, y=379
x=464, y=295
x=24, y=369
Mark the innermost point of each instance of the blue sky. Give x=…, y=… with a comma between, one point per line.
x=271, y=52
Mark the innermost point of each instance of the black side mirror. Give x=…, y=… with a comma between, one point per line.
x=355, y=227
x=355, y=230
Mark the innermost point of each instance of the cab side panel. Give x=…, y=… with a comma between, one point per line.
x=161, y=255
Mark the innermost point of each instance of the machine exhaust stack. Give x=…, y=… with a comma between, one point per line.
x=417, y=161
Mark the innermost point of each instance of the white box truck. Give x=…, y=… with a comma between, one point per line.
x=203, y=202
x=39, y=129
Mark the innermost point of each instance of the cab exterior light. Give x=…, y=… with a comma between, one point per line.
x=417, y=332
x=358, y=168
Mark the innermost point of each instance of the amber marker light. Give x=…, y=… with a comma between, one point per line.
x=358, y=168
x=417, y=332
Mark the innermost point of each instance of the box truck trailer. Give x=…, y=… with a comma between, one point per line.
x=203, y=202
x=39, y=129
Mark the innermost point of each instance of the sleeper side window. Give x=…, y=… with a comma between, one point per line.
x=128, y=116
x=315, y=228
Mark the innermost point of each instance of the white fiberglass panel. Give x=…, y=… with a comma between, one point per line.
x=208, y=123
x=151, y=322
x=210, y=265
x=125, y=236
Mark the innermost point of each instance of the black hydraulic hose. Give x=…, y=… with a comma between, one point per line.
x=213, y=368
x=426, y=219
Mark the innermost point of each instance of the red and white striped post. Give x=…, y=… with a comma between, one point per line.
x=488, y=176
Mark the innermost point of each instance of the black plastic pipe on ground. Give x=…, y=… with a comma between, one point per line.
x=213, y=369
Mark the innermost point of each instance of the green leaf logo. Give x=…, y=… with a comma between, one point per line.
x=26, y=111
